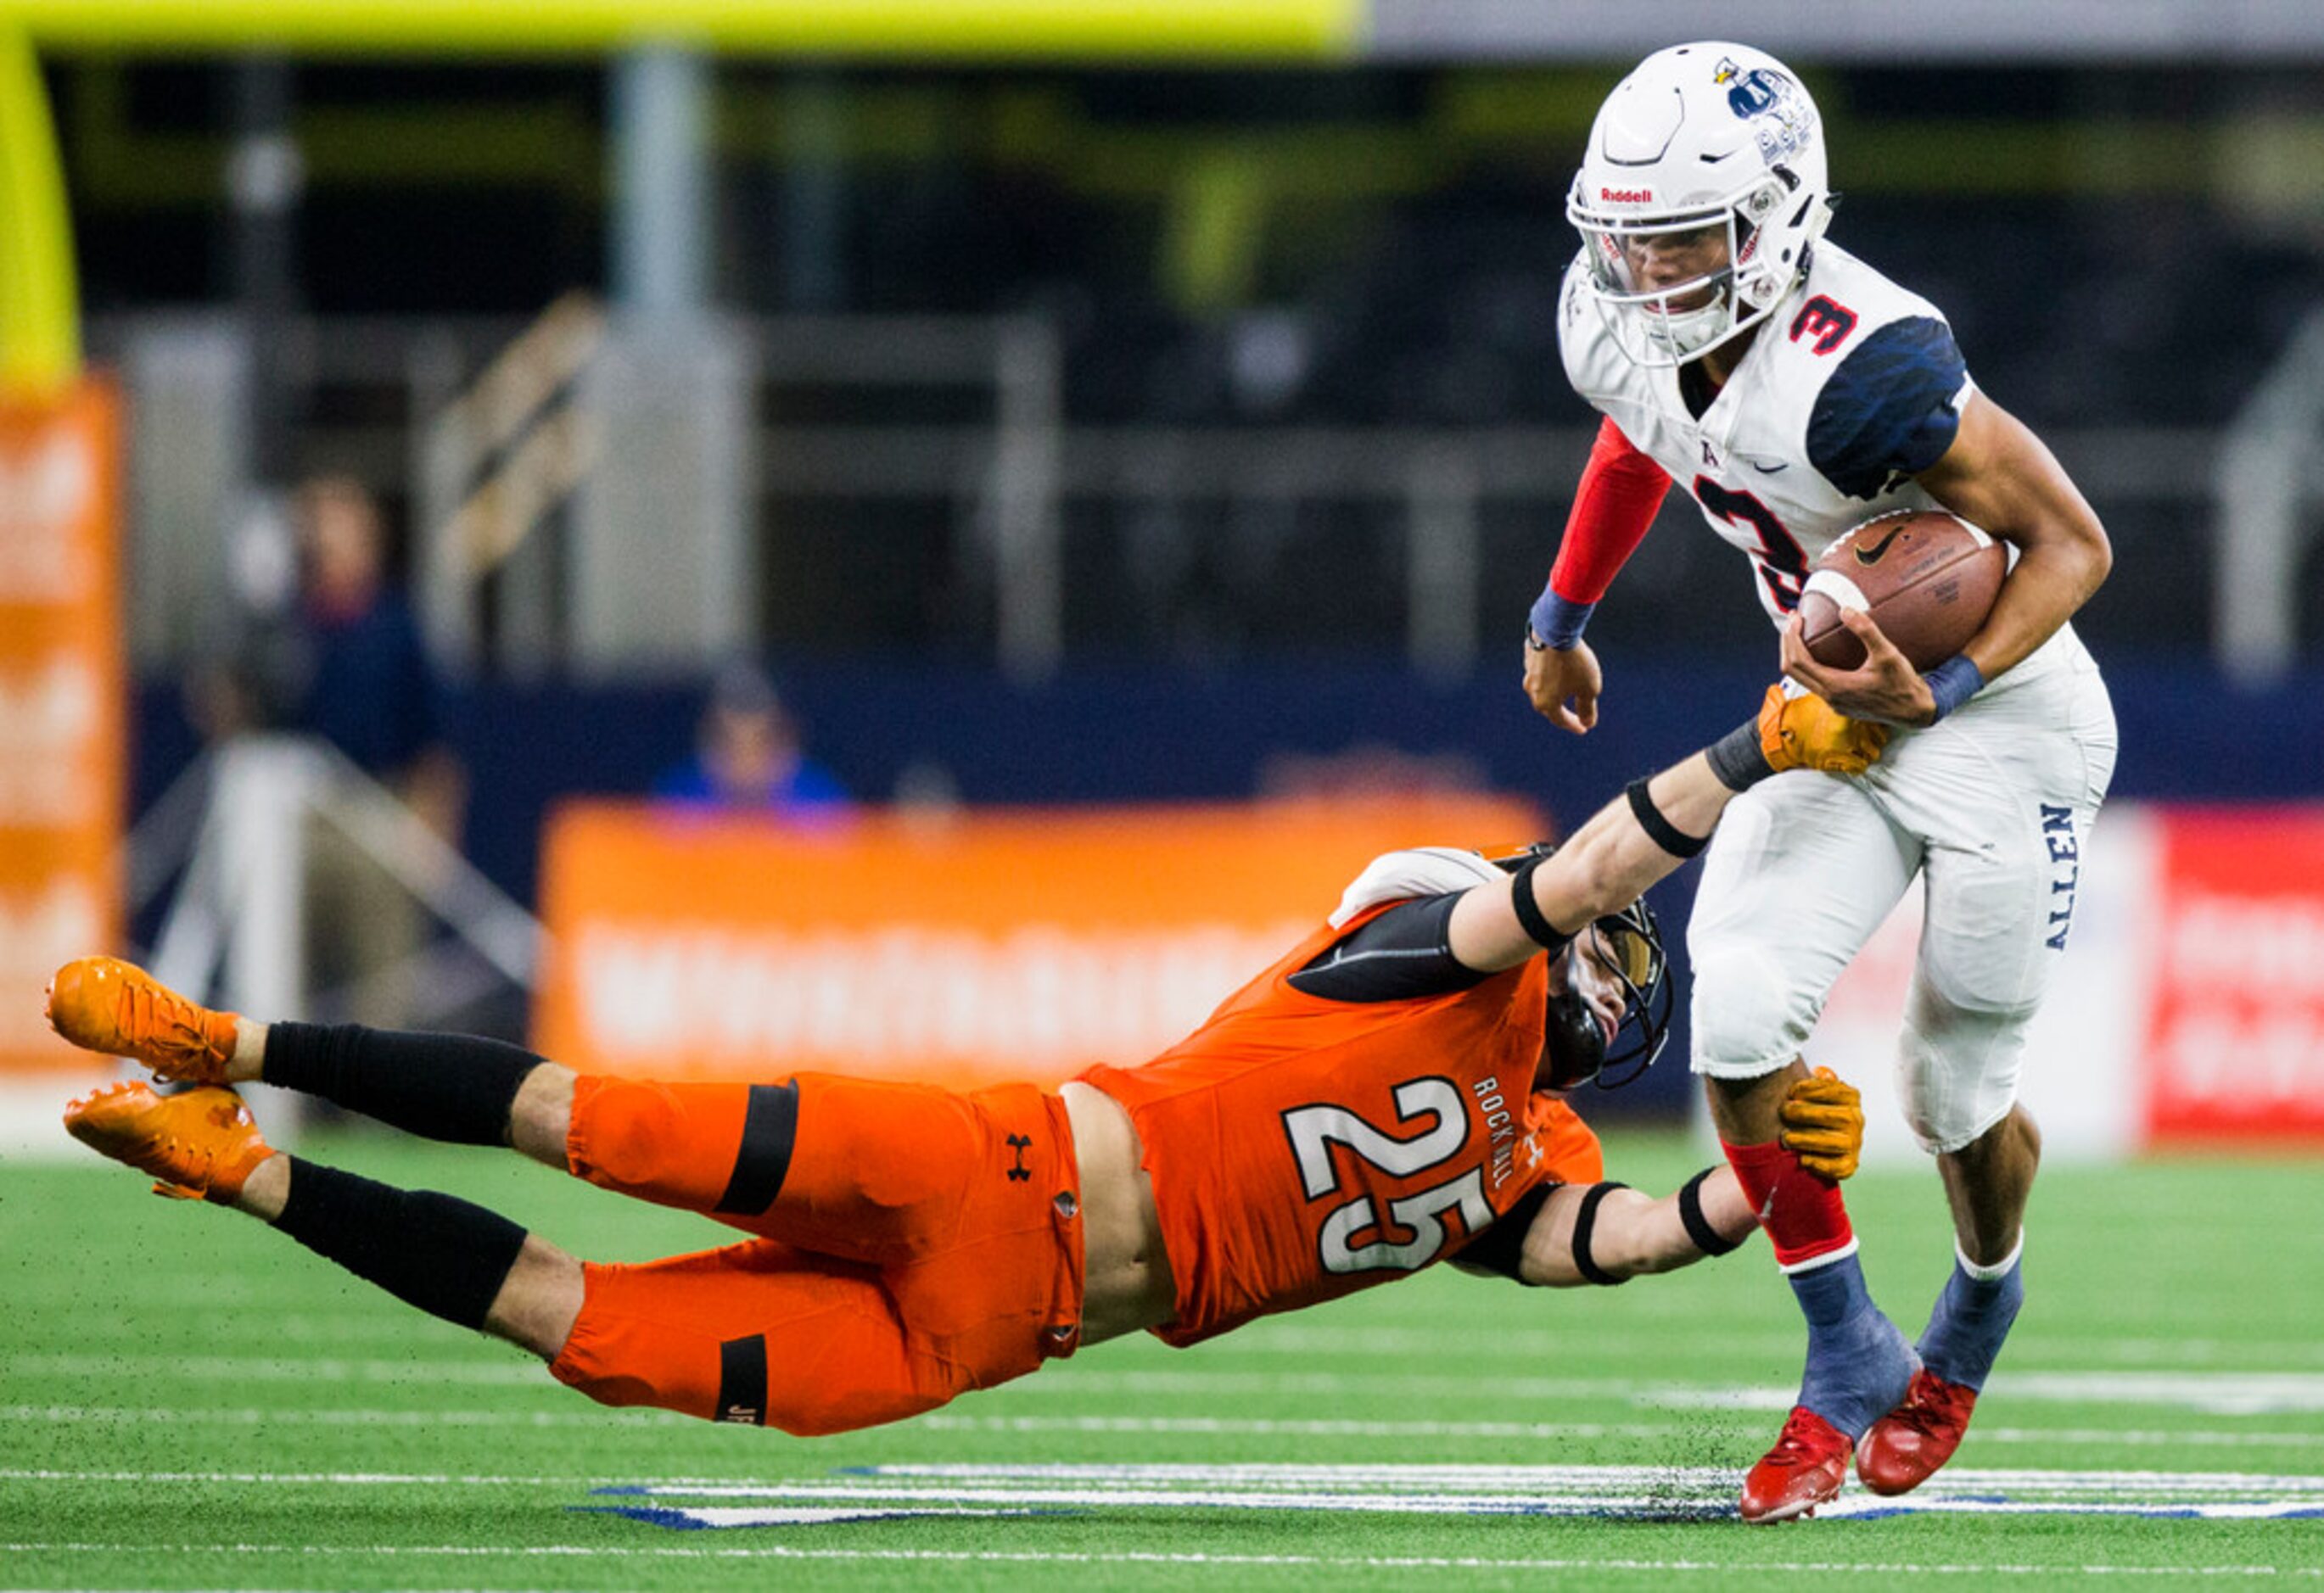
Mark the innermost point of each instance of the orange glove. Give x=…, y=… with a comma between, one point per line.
x=1823, y=1124
x=1807, y=733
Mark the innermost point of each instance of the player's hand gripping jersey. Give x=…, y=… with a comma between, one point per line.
x=1851, y=387
x=1305, y=1146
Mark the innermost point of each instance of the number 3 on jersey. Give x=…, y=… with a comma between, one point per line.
x=1314, y=1129
x=1782, y=564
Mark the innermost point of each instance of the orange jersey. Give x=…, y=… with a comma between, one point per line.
x=1303, y=1148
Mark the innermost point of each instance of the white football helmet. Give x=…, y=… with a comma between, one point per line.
x=1700, y=135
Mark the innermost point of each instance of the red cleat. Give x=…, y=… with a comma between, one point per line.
x=1804, y=1469
x=1906, y=1447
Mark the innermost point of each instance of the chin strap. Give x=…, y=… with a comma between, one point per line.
x=1717, y=320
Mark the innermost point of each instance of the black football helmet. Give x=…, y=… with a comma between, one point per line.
x=1577, y=1050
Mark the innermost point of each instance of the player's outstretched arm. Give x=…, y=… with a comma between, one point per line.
x=1657, y=825
x=1606, y=1233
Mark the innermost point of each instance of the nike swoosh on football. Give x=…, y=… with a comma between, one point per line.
x=1873, y=554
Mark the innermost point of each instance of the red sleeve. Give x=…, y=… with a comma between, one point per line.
x=1619, y=492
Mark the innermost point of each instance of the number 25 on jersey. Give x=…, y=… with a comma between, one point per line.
x=1314, y=1129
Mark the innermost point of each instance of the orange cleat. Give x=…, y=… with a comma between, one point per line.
x=1804, y=1469
x=200, y=1144
x=1906, y=1447
x=103, y=1004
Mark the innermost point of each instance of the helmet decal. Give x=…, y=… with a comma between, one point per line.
x=1783, y=115
x=1752, y=92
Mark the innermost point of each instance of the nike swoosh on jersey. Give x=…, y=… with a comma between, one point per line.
x=1874, y=554
x=1769, y=469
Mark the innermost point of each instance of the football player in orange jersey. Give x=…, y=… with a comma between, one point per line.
x=1375, y=1102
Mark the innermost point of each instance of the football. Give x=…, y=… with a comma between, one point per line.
x=1927, y=578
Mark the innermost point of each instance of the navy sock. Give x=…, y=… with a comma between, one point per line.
x=443, y=1255
x=1858, y=1363
x=1831, y=1293
x=456, y=1088
x=1970, y=1320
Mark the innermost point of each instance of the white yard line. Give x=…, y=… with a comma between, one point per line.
x=1266, y=1427
x=1014, y=1487
x=578, y=1416
x=1274, y=1337
x=329, y=1479
x=1958, y=1480
x=1619, y=1491
x=954, y=1420
x=2232, y=1394
x=507, y=1367
x=1244, y=1475
x=1226, y=1562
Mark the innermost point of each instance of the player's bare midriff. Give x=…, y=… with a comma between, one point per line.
x=1126, y=1273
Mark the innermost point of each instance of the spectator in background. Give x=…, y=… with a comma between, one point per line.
x=368, y=689
x=318, y=642
x=362, y=681
x=748, y=758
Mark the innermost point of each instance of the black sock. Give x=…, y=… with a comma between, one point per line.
x=451, y=1087
x=443, y=1255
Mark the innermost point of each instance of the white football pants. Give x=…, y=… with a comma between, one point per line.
x=1995, y=805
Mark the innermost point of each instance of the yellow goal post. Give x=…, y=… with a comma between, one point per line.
x=919, y=30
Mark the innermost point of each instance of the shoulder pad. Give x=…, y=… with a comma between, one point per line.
x=1400, y=876
x=1891, y=408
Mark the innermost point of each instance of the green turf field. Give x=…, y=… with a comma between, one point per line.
x=189, y=1401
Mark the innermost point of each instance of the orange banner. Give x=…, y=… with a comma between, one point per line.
x=60, y=704
x=1009, y=945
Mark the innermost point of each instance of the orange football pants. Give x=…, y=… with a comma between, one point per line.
x=913, y=1243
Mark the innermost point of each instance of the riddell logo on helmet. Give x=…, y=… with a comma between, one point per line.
x=1627, y=195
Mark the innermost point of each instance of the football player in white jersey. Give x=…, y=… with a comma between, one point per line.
x=1793, y=391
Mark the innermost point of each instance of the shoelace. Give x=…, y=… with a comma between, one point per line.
x=147, y=1009
x=1930, y=1408
x=170, y=1140
x=203, y=1162
x=1797, y=1439
x=166, y=1018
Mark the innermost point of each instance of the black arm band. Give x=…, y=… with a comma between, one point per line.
x=1530, y=917
x=1739, y=759
x=1659, y=829
x=1499, y=1250
x=1698, y=1227
x=1584, y=1222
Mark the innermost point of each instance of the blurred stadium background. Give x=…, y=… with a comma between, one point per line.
x=1029, y=404
x=1118, y=442
x=1056, y=405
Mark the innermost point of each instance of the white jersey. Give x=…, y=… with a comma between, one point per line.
x=1852, y=386
x=1851, y=389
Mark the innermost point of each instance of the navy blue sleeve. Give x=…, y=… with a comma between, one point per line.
x=1888, y=410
